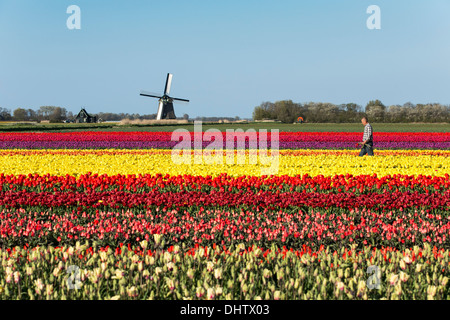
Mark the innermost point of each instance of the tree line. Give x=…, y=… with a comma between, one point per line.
x=59, y=114
x=288, y=112
x=50, y=113
x=285, y=111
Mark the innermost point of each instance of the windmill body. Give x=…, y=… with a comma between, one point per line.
x=165, y=107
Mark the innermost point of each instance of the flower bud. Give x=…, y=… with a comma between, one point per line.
x=347, y=272
x=16, y=276
x=398, y=289
x=351, y=284
x=340, y=286
x=418, y=268
x=39, y=285
x=144, y=244
x=211, y=294
x=291, y=282
x=431, y=291
x=407, y=259
x=49, y=289
x=266, y=273
x=332, y=277
x=361, y=288
x=276, y=295
x=150, y=260
x=393, y=279
x=199, y=292
x=280, y=274
x=8, y=270
x=316, y=272
x=218, y=273
x=119, y=274
x=30, y=293
x=170, y=266
x=157, y=238
x=170, y=284
x=103, y=256
x=404, y=276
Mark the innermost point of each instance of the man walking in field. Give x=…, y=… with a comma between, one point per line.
x=367, y=144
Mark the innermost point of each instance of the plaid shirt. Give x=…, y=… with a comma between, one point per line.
x=367, y=133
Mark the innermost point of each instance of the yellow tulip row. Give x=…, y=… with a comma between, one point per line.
x=313, y=163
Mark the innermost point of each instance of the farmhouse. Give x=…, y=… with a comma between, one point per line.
x=84, y=117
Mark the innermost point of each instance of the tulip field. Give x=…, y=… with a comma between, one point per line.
x=109, y=215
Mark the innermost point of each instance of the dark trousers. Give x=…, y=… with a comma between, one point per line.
x=367, y=149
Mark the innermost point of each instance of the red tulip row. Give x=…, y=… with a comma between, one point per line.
x=214, y=199
x=294, y=211
x=292, y=228
x=146, y=183
x=166, y=136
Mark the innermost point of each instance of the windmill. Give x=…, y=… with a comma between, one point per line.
x=165, y=108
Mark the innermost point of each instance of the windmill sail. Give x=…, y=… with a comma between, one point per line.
x=150, y=94
x=160, y=110
x=168, y=84
x=178, y=99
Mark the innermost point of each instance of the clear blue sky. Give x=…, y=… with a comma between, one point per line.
x=226, y=56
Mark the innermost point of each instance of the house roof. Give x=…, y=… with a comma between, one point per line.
x=83, y=114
